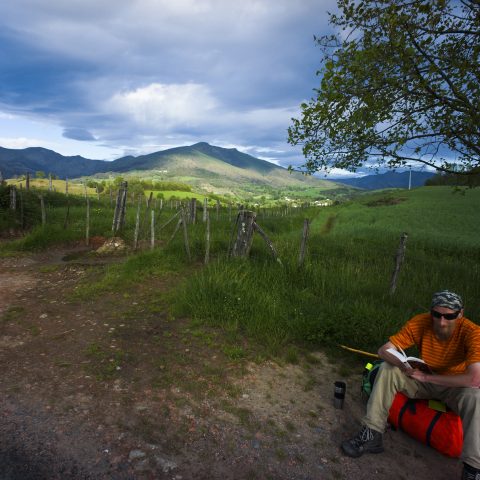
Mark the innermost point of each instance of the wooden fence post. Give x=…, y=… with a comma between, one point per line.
x=1, y=178
x=123, y=210
x=98, y=193
x=66, y=185
x=303, y=246
x=207, y=240
x=243, y=241
x=67, y=214
x=120, y=208
x=44, y=213
x=13, y=197
x=117, y=210
x=50, y=182
x=137, y=225
x=205, y=209
x=22, y=213
x=149, y=200
x=185, y=235
x=399, y=257
x=268, y=242
x=193, y=210
x=87, y=229
x=27, y=181
x=152, y=230
x=144, y=220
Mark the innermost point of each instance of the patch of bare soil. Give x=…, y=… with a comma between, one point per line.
x=386, y=201
x=116, y=388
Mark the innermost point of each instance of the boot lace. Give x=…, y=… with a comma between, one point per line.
x=470, y=473
x=471, y=476
x=364, y=436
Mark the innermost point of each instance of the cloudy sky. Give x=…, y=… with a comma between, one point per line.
x=107, y=78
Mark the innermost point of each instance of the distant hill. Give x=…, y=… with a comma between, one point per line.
x=203, y=166
x=388, y=180
x=194, y=156
x=30, y=160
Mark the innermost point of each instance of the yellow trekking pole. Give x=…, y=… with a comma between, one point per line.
x=367, y=354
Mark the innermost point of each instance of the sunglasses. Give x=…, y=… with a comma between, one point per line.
x=446, y=316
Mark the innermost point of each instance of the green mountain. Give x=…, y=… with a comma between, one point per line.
x=389, y=180
x=205, y=167
x=200, y=154
x=225, y=171
x=30, y=160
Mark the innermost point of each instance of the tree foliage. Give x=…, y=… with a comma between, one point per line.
x=139, y=185
x=472, y=180
x=166, y=185
x=400, y=82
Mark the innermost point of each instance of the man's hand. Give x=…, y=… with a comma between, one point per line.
x=384, y=354
x=417, y=374
x=470, y=378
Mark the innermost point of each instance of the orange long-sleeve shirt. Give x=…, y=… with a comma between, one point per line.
x=445, y=357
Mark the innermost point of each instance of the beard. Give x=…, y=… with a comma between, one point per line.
x=443, y=333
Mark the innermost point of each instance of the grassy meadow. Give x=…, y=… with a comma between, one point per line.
x=340, y=294
x=74, y=188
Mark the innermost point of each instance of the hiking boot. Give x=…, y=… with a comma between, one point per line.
x=366, y=441
x=470, y=473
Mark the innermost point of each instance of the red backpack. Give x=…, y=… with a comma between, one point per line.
x=440, y=430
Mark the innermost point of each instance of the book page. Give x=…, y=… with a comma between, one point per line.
x=401, y=356
x=411, y=362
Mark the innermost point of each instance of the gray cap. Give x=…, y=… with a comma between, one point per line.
x=447, y=299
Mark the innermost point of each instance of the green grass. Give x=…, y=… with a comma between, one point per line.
x=340, y=294
x=74, y=188
x=118, y=278
x=176, y=194
x=233, y=352
x=430, y=215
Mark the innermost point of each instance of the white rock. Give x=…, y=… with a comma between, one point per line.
x=165, y=464
x=135, y=454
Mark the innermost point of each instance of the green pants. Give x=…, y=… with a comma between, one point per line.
x=464, y=401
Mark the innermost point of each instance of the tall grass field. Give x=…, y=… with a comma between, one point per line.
x=340, y=295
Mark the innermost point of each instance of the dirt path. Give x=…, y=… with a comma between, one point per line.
x=116, y=388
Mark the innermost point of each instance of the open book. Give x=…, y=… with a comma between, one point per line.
x=411, y=362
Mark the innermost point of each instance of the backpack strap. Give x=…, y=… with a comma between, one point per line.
x=409, y=405
x=430, y=428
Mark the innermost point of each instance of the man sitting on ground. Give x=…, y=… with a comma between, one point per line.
x=450, y=344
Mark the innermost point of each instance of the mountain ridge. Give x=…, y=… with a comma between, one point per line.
x=388, y=180
x=32, y=159
x=203, y=166
x=206, y=168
